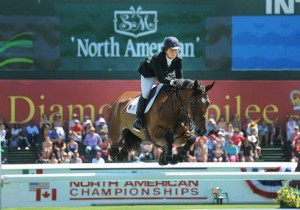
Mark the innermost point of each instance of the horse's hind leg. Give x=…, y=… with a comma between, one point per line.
x=114, y=151
x=130, y=143
x=190, y=140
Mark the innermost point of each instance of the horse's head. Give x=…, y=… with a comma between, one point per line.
x=199, y=102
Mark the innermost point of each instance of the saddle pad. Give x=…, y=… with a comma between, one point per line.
x=131, y=109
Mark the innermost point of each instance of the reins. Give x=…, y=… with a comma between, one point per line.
x=183, y=108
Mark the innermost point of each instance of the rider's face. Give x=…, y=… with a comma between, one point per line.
x=172, y=53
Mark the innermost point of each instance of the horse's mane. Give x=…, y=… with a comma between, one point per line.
x=189, y=84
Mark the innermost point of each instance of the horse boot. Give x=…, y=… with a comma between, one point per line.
x=138, y=124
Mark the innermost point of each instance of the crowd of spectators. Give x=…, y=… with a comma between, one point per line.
x=234, y=141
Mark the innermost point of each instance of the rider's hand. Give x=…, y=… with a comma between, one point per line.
x=176, y=82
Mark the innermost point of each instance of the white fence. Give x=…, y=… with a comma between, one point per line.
x=141, y=183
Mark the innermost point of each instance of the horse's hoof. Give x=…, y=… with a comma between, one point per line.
x=162, y=161
x=113, y=151
x=174, y=160
x=123, y=155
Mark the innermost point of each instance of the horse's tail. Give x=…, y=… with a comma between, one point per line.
x=130, y=141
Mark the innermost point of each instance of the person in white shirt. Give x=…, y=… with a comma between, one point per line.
x=33, y=132
x=98, y=159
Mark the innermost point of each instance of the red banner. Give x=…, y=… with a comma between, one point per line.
x=23, y=100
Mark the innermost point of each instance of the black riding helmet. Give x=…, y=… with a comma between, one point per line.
x=171, y=42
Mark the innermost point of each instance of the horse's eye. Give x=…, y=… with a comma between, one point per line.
x=203, y=100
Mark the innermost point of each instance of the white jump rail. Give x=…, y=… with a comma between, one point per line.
x=155, y=176
x=152, y=165
x=149, y=171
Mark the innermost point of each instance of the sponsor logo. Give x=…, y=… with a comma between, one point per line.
x=295, y=99
x=135, y=23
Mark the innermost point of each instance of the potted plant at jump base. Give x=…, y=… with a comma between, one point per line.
x=289, y=196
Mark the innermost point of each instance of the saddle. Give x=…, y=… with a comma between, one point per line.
x=131, y=109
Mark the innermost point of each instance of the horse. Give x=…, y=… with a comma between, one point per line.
x=175, y=115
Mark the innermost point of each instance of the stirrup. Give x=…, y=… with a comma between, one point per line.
x=138, y=125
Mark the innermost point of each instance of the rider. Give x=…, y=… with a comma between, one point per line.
x=166, y=67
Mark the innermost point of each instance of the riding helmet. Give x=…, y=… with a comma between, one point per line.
x=171, y=42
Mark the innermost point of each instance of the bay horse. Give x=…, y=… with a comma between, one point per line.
x=171, y=120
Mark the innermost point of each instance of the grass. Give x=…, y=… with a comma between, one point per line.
x=158, y=207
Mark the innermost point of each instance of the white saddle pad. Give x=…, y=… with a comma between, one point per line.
x=131, y=109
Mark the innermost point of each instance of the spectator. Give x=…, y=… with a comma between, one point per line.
x=254, y=141
x=22, y=140
x=245, y=125
x=296, y=146
x=263, y=133
x=252, y=129
x=16, y=131
x=191, y=154
x=218, y=152
x=214, y=131
x=294, y=134
x=45, y=122
x=98, y=159
x=52, y=159
x=231, y=152
x=157, y=151
x=72, y=121
x=246, y=151
x=59, y=148
x=104, y=147
x=210, y=144
x=86, y=125
x=146, y=152
x=6, y=128
x=65, y=158
x=101, y=126
x=229, y=131
x=47, y=147
x=210, y=126
x=72, y=146
x=76, y=131
x=290, y=125
x=236, y=123
x=276, y=133
x=41, y=159
x=237, y=138
x=3, y=140
x=222, y=124
x=57, y=122
x=32, y=133
x=201, y=152
x=221, y=138
x=54, y=135
x=75, y=158
x=92, y=141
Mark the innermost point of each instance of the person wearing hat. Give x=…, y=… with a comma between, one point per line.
x=166, y=67
x=76, y=131
x=92, y=141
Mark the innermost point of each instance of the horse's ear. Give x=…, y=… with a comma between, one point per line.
x=208, y=87
x=196, y=84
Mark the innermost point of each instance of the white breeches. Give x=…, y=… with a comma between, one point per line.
x=146, y=85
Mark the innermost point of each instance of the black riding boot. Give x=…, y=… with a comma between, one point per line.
x=138, y=124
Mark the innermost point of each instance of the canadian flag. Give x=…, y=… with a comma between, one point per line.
x=44, y=194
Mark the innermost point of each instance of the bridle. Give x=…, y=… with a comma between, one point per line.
x=193, y=104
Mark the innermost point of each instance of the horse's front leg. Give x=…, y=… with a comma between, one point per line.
x=168, y=155
x=190, y=140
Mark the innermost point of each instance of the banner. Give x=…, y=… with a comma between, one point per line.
x=24, y=100
x=113, y=36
